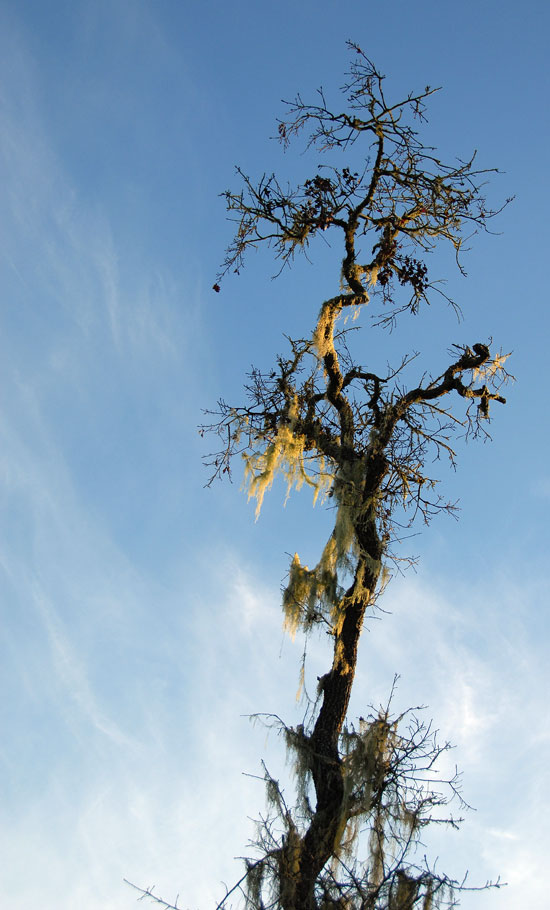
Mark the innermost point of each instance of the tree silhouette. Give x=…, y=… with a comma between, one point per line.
x=365, y=442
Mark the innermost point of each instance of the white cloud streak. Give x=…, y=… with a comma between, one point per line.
x=124, y=736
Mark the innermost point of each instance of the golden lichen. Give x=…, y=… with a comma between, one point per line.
x=340, y=663
x=490, y=369
x=369, y=753
x=301, y=681
x=311, y=593
x=347, y=491
x=306, y=589
x=285, y=454
x=362, y=274
x=323, y=336
x=373, y=275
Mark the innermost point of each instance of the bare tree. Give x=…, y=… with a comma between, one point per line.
x=366, y=443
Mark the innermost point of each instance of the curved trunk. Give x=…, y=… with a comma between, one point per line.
x=328, y=823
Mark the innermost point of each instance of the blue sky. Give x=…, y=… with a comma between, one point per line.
x=140, y=612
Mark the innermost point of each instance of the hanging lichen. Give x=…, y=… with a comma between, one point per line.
x=348, y=494
x=373, y=275
x=299, y=746
x=368, y=754
x=427, y=903
x=301, y=680
x=492, y=368
x=254, y=882
x=285, y=455
x=289, y=866
x=306, y=590
x=311, y=594
x=323, y=336
x=403, y=897
x=376, y=850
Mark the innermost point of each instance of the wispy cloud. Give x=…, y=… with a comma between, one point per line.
x=58, y=244
x=70, y=669
x=126, y=696
x=90, y=791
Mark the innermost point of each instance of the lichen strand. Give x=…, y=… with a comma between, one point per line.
x=323, y=336
x=367, y=753
x=285, y=454
x=492, y=368
x=310, y=593
x=363, y=274
x=348, y=492
x=289, y=866
x=365, y=766
x=314, y=594
x=429, y=896
x=373, y=799
x=405, y=895
x=299, y=747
